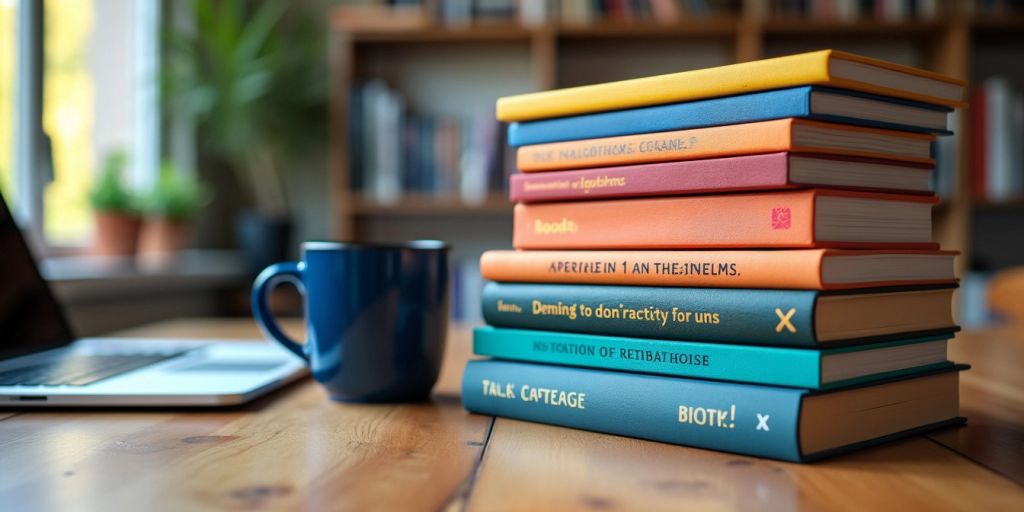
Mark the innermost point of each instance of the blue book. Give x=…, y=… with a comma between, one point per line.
x=809, y=102
x=794, y=367
x=793, y=318
x=779, y=423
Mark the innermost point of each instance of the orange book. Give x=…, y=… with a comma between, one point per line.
x=729, y=140
x=796, y=269
x=791, y=219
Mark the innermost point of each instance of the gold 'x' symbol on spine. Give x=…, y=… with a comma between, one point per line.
x=784, y=320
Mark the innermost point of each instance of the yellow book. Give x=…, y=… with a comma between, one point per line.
x=823, y=67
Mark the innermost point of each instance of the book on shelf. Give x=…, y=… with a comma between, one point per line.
x=396, y=150
x=945, y=180
x=790, y=134
x=802, y=269
x=794, y=318
x=766, y=421
x=997, y=119
x=774, y=366
x=824, y=67
x=771, y=171
x=995, y=8
x=848, y=11
x=766, y=220
x=816, y=103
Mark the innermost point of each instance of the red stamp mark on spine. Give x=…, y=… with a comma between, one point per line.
x=781, y=218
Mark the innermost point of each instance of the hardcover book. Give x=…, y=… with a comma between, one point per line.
x=823, y=67
x=796, y=219
x=820, y=103
x=764, y=421
x=790, y=134
x=772, y=171
x=794, y=367
x=794, y=318
x=800, y=269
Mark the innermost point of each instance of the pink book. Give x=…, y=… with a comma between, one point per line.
x=770, y=171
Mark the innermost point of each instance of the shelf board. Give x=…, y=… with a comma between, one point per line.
x=498, y=32
x=696, y=27
x=1010, y=25
x=501, y=32
x=723, y=26
x=418, y=204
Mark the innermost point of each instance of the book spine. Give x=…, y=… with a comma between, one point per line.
x=746, y=108
x=740, y=418
x=715, y=141
x=999, y=139
x=761, y=317
x=777, y=73
x=979, y=167
x=769, y=220
x=797, y=269
x=740, y=363
x=756, y=172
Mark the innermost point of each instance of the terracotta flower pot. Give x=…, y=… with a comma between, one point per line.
x=117, y=234
x=164, y=235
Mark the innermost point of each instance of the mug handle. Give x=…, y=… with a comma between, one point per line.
x=271, y=276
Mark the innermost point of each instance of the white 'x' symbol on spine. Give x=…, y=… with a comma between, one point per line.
x=762, y=421
x=784, y=320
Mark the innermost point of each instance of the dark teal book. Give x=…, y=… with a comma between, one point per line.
x=764, y=421
x=809, y=102
x=794, y=367
x=793, y=318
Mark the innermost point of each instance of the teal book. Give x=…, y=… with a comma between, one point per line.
x=794, y=367
x=765, y=421
x=788, y=318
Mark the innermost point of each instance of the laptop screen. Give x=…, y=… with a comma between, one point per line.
x=31, y=320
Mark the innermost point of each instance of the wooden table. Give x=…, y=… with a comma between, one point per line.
x=297, y=450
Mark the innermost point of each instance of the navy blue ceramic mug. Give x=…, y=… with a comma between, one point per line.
x=376, y=316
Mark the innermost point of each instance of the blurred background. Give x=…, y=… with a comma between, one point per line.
x=160, y=152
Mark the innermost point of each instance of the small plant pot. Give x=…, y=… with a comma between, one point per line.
x=164, y=236
x=117, y=234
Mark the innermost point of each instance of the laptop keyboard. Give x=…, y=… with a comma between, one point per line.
x=79, y=370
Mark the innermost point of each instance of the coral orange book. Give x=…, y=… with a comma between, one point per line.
x=797, y=219
x=794, y=269
x=791, y=134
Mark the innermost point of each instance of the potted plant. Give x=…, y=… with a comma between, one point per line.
x=115, y=209
x=169, y=208
x=251, y=77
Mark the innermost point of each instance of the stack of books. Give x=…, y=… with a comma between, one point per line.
x=737, y=258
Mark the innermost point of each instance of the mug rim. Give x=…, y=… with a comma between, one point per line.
x=416, y=245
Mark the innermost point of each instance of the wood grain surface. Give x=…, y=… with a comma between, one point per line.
x=295, y=449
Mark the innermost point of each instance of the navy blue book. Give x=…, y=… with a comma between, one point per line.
x=787, y=318
x=809, y=102
x=779, y=423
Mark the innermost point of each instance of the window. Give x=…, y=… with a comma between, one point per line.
x=69, y=118
x=8, y=59
x=99, y=62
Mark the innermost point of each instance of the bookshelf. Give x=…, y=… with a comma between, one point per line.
x=565, y=55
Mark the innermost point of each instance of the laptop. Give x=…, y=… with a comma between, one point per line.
x=42, y=364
